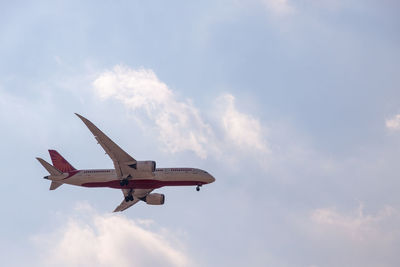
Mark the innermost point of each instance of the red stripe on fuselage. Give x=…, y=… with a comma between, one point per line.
x=142, y=184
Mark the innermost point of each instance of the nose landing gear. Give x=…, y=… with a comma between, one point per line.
x=198, y=187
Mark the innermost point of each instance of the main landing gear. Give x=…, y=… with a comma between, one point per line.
x=129, y=196
x=124, y=182
x=198, y=187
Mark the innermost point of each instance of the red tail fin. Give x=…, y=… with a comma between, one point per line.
x=59, y=162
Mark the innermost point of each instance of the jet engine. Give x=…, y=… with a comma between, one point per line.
x=146, y=166
x=155, y=199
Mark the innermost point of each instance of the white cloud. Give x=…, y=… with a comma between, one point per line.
x=288, y=7
x=393, y=123
x=178, y=122
x=109, y=240
x=354, y=239
x=359, y=226
x=330, y=237
x=327, y=4
x=243, y=130
x=278, y=7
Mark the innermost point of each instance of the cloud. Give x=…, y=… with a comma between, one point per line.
x=393, y=123
x=109, y=240
x=359, y=226
x=356, y=238
x=179, y=123
x=278, y=7
x=242, y=129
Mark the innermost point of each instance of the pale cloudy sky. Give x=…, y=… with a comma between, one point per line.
x=293, y=106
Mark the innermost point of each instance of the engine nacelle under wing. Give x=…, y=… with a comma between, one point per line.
x=155, y=199
x=146, y=166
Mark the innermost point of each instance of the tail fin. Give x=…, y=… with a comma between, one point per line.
x=50, y=168
x=59, y=162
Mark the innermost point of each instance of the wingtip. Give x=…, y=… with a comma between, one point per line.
x=82, y=118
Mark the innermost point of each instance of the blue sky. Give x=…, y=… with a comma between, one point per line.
x=293, y=106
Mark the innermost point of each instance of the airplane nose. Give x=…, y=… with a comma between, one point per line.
x=211, y=179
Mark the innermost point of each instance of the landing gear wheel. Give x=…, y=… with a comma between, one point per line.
x=198, y=188
x=128, y=198
x=124, y=182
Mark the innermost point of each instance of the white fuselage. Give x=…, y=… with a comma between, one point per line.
x=159, y=178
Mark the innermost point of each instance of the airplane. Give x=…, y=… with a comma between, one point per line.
x=136, y=179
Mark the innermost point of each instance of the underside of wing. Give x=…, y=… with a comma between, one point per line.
x=137, y=195
x=124, y=205
x=122, y=160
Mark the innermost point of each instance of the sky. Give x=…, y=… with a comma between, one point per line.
x=293, y=106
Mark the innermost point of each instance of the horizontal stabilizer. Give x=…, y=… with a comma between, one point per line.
x=50, y=168
x=54, y=185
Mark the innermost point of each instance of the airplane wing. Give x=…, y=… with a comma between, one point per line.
x=137, y=195
x=124, y=205
x=122, y=160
